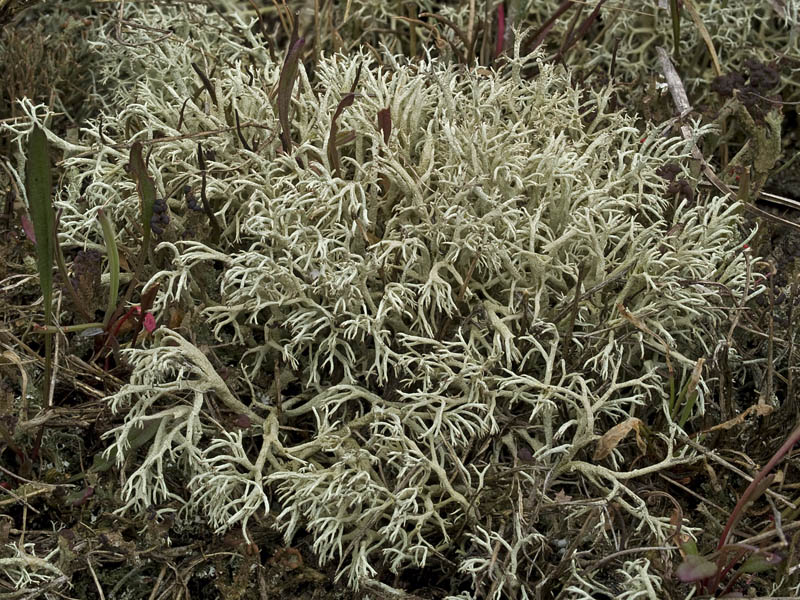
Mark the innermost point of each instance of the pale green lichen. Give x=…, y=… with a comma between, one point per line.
x=23, y=568
x=418, y=305
x=628, y=36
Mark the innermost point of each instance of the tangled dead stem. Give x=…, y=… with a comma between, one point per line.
x=425, y=314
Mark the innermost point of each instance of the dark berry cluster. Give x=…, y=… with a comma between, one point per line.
x=761, y=78
x=85, y=183
x=160, y=218
x=679, y=186
x=191, y=200
x=668, y=171
x=724, y=85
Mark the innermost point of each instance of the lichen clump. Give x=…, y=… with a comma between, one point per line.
x=421, y=347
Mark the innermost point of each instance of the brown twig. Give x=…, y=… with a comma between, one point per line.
x=718, y=459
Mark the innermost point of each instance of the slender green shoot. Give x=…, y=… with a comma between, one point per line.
x=38, y=185
x=676, y=27
x=147, y=194
x=113, y=263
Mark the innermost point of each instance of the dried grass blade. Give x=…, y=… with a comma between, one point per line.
x=704, y=34
x=538, y=38
x=584, y=27
x=206, y=83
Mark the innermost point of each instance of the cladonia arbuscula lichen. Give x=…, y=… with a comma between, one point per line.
x=420, y=306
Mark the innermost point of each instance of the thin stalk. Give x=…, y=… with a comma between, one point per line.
x=68, y=328
x=38, y=184
x=113, y=264
x=757, y=485
x=62, y=270
x=675, y=14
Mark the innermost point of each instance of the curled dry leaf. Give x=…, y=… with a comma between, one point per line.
x=761, y=409
x=616, y=434
x=287, y=558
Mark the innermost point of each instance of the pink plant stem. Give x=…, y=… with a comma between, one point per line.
x=782, y=451
x=501, y=29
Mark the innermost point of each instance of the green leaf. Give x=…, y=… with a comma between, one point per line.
x=113, y=263
x=758, y=563
x=285, y=87
x=690, y=547
x=146, y=190
x=38, y=185
x=695, y=568
x=676, y=26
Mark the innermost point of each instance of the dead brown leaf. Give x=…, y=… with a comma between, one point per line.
x=761, y=409
x=616, y=434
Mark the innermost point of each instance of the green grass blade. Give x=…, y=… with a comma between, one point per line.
x=676, y=26
x=147, y=193
x=38, y=185
x=113, y=263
